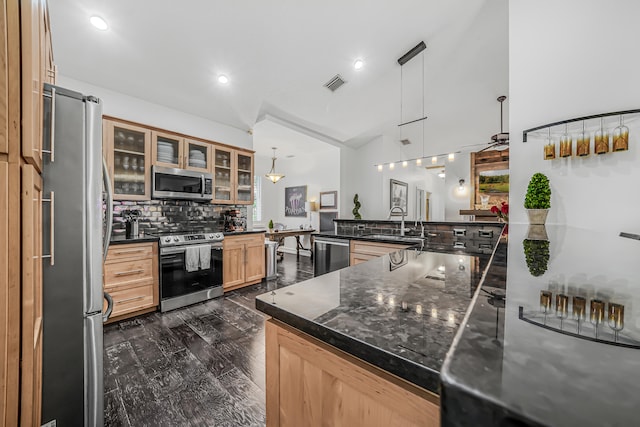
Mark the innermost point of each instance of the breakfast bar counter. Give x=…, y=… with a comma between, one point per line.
x=398, y=313
x=563, y=347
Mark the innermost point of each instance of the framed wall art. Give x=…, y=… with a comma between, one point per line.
x=294, y=199
x=398, y=195
x=328, y=200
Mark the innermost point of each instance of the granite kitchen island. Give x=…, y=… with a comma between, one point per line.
x=539, y=341
x=393, y=319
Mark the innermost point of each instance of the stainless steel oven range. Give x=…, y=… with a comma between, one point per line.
x=190, y=268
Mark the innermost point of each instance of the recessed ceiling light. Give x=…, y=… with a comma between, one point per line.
x=99, y=23
x=222, y=79
x=358, y=64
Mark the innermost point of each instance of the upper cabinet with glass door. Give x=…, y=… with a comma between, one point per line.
x=244, y=178
x=223, y=162
x=197, y=155
x=127, y=150
x=173, y=151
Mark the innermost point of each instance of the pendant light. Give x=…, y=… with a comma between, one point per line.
x=272, y=175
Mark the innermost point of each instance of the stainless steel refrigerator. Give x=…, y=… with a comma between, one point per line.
x=72, y=376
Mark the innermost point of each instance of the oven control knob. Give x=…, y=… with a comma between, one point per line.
x=175, y=239
x=211, y=236
x=167, y=239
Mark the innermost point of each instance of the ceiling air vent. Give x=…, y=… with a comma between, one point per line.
x=335, y=83
x=405, y=141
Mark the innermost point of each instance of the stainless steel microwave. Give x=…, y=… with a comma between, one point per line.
x=173, y=183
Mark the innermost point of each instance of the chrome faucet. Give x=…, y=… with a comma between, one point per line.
x=403, y=215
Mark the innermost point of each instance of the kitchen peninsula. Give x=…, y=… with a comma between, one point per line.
x=364, y=345
x=540, y=348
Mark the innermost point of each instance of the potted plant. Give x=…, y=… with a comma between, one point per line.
x=356, y=203
x=537, y=201
x=270, y=226
x=536, y=253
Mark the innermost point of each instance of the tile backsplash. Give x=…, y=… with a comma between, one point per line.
x=172, y=215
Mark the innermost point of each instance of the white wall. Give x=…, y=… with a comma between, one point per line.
x=372, y=186
x=455, y=199
x=560, y=68
x=319, y=172
x=137, y=110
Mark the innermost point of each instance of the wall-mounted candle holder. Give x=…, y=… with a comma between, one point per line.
x=579, y=311
x=602, y=143
x=596, y=313
x=601, y=140
x=583, y=143
x=616, y=318
x=545, y=301
x=562, y=307
x=565, y=143
x=621, y=136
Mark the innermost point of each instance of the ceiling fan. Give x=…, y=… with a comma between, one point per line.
x=499, y=139
x=502, y=138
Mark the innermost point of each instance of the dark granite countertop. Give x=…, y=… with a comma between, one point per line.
x=411, y=240
x=411, y=222
x=237, y=233
x=122, y=240
x=399, y=312
x=510, y=364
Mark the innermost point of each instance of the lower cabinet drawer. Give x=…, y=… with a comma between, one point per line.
x=132, y=299
x=127, y=273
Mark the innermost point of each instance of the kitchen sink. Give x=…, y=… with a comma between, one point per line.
x=403, y=239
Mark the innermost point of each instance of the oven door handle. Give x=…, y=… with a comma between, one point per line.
x=202, y=186
x=176, y=250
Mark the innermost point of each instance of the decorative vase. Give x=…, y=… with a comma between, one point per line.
x=537, y=216
x=537, y=232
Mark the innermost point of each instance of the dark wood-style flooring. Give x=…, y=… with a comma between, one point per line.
x=201, y=365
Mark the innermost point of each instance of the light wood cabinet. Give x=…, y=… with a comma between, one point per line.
x=243, y=193
x=31, y=372
x=25, y=54
x=232, y=176
x=127, y=150
x=33, y=34
x=50, y=68
x=362, y=251
x=310, y=383
x=173, y=151
x=4, y=81
x=243, y=263
x=131, y=278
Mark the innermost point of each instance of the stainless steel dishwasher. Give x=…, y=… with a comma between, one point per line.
x=329, y=255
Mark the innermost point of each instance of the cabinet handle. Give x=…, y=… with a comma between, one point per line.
x=51, y=201
x=128, y=251
x=130, y=299
x=432, y=234
x=53, y=127
x=129, y=273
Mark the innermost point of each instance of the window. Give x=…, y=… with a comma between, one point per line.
x=257, y=199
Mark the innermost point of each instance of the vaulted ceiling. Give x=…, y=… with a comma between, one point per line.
x=278, y=54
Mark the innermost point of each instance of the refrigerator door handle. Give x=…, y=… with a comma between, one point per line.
x=93, y=369
x=51, y=150
x=109, y=310
x=52, y=203
x=109, y=190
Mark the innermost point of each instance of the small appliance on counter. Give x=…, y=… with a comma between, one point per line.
x=131, y=221
x=234, y=221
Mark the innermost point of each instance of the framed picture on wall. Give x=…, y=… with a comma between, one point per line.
x=294, y=199
x=398, y=195
x=328, y=200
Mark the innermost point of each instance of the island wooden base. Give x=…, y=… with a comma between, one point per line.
x=310, y=383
